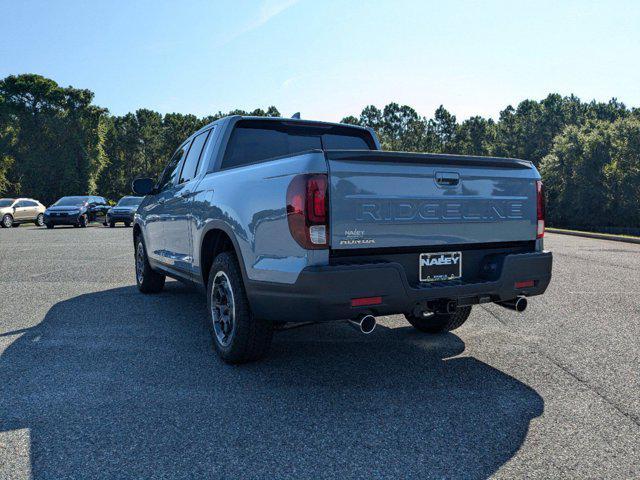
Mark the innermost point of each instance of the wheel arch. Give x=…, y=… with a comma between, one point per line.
x=218, y=238
x=137, y=232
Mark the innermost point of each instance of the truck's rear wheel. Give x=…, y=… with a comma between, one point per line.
x=237, y=335
x=439, y=322
x=147, y=280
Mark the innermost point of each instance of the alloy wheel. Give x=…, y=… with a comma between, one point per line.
x=223, y=310
x=140, y=259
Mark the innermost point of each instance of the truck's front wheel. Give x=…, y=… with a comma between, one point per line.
x=238, y=336
x=439, y=322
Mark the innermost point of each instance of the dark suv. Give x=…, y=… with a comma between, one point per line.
x=77, y=211
x=123, y=211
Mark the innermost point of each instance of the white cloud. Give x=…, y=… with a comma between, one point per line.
x=268, y=10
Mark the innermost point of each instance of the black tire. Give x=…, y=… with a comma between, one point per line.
x=439, y=322
x=39, y=220
x=7, y=221
x=112, y=224
x=49, y=225
x=83, y=221
x=148, y=280
x=248, y=338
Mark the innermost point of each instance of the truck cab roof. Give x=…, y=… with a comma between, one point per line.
x=231, y=120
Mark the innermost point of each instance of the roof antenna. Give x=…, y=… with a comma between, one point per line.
x=296, y=116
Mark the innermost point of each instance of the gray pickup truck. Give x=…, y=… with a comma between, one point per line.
x=286, y=221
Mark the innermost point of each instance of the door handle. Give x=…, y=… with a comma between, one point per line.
x=447, y=179
x=161, y=201
x=191, y=193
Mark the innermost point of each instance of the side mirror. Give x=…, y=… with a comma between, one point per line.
x=143, y=186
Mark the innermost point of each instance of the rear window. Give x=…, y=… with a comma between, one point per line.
x=257, y=141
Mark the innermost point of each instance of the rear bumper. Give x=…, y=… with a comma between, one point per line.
x=325, y=293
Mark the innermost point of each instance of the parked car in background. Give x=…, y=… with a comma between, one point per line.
x=284, y=220
x=78, y=211
x=15, y=211
x=123, y=211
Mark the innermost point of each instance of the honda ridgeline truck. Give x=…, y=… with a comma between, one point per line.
x=289, y=221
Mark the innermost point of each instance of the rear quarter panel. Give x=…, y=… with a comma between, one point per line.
x=249, y=203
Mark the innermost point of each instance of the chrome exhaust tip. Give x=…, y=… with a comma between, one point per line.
x=519, y=304
x=364, y=324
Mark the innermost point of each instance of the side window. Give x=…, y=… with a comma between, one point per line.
x=193, y=157
x=171, y=172
x=20, y=204
x=30, y=203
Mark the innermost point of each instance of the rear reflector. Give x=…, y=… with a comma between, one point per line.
x=525, y=284
x=364, y=301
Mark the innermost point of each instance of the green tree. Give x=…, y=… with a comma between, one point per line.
x=444, y=127
x=475, y=136
x=574, y=176
x=58, y=136
x=622, y=173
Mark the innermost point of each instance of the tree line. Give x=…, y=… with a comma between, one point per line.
x=54, y=141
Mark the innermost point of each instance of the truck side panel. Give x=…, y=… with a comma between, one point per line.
x=251, y=202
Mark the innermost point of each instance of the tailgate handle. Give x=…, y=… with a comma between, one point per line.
x=447, y=178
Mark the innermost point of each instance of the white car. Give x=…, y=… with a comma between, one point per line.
x=14, y=211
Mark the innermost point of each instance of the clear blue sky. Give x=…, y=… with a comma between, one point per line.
x=326, y=59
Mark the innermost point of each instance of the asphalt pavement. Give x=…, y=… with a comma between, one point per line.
x=100, y=381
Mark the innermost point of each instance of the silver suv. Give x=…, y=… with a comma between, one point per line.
x=14, y=211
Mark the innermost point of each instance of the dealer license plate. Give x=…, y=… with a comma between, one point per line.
x=440, y=266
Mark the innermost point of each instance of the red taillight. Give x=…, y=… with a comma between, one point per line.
x=307, y=210
x=317, y=199
x=541, y=213
x=524, y=284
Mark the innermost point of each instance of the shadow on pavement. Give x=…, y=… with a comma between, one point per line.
x=117, y=384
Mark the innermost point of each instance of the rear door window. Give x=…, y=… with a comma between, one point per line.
x=193, y=157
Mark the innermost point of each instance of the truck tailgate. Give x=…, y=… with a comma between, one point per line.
x=391, y=199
